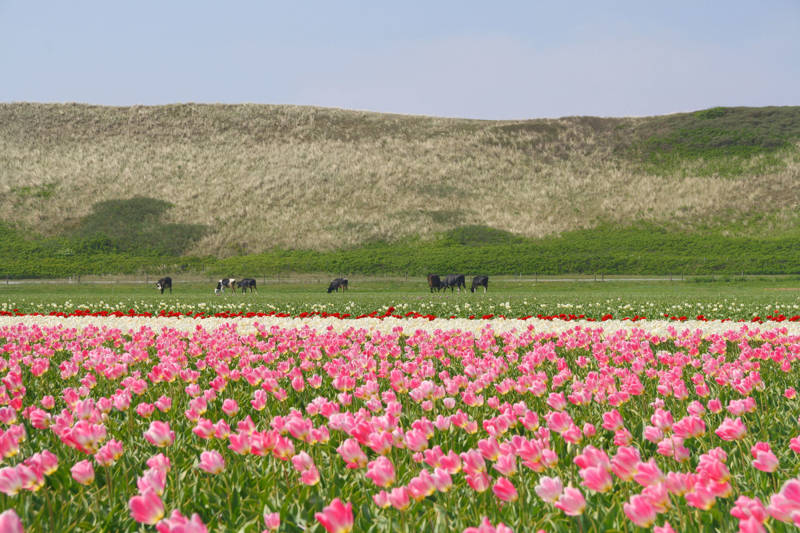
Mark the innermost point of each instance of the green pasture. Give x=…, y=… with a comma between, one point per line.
x=511, y=296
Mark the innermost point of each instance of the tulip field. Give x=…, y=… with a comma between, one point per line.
x=515, y=413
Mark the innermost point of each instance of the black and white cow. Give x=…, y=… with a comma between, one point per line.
x=225, y=283
x=164, y=283
x=480, y=281
x=338, y=283
x=247, y=283
x=434, y=282
x=454, y=280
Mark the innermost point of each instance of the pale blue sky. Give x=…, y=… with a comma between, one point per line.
x=478, y=59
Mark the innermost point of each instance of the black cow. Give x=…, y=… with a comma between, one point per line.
x=454, y=280
x=337, y=284
x=225, y=283
x=480, y=281
x=247, y=283
x=434, y=282
x=164, y=283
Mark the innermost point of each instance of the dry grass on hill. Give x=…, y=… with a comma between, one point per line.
x=302, y=177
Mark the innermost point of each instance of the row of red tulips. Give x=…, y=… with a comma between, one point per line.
x=390, y=312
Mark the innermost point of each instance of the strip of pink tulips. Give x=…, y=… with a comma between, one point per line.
x=301, y=428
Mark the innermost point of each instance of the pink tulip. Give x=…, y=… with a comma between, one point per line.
x=421, y=486
x=473, y=462
x=751, y=525
x=47, y=402
x=164, y=403
x=159, y=434
x=381, y=499
x=302, y=461
x=400, y=498
x=714, y=405
x=85, y=436
x=666, y=528
x=152, y=479
x=240, y=442
x=416, y=440
x=109, y=453
x=506, y=464
x=690, y=426
x=557, y=401
x=489, y=448
x=559, y=421
x=259, y=401
x=658, y=496
x=763, y=458
x=794, y=444
x=648, y=473
x=700, y=497
x=695, y=408
x=625, y=463
x=731, y=429
x=83, y=472
x=381, y=472
x=211, y=462
x=487, y=527
x=146, y=508
x=310, y=476
x=10, y=522
x=505, y=490
x=352, y=453
x=337, y=517
x=10, y=480
x=572, y=434
x=442, y=479
x=612, y=420
x=653, y=434
x=478, y=481
x=592, y=457
x=549, y=488
x=145, y=409
x=272, y=521
x=451, y=462
x=284, y=449
x=204, y=428
x=159, y=462
x=785, y=505
x=571, y=502
x=745, y=508
x=622, y=437
x=230, y=407
x=177, y=523
x=596, y=478
x=299, y=428
x=640, y=511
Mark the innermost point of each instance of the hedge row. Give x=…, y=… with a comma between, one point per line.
x=606, y=250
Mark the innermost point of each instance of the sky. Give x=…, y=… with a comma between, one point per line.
x=471, y=59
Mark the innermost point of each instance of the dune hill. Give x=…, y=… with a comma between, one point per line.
x=262, y=177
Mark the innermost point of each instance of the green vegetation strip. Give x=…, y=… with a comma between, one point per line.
x=607, y=250
x=508, y=296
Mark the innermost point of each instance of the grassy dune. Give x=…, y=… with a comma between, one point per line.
x=282, y=177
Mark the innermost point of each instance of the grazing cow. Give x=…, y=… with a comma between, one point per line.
x=247, y=283
x=164, y=283
x=225, y=283
x=454, y=280
x=480, y=281
x=434, y=282
x=337, y=284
